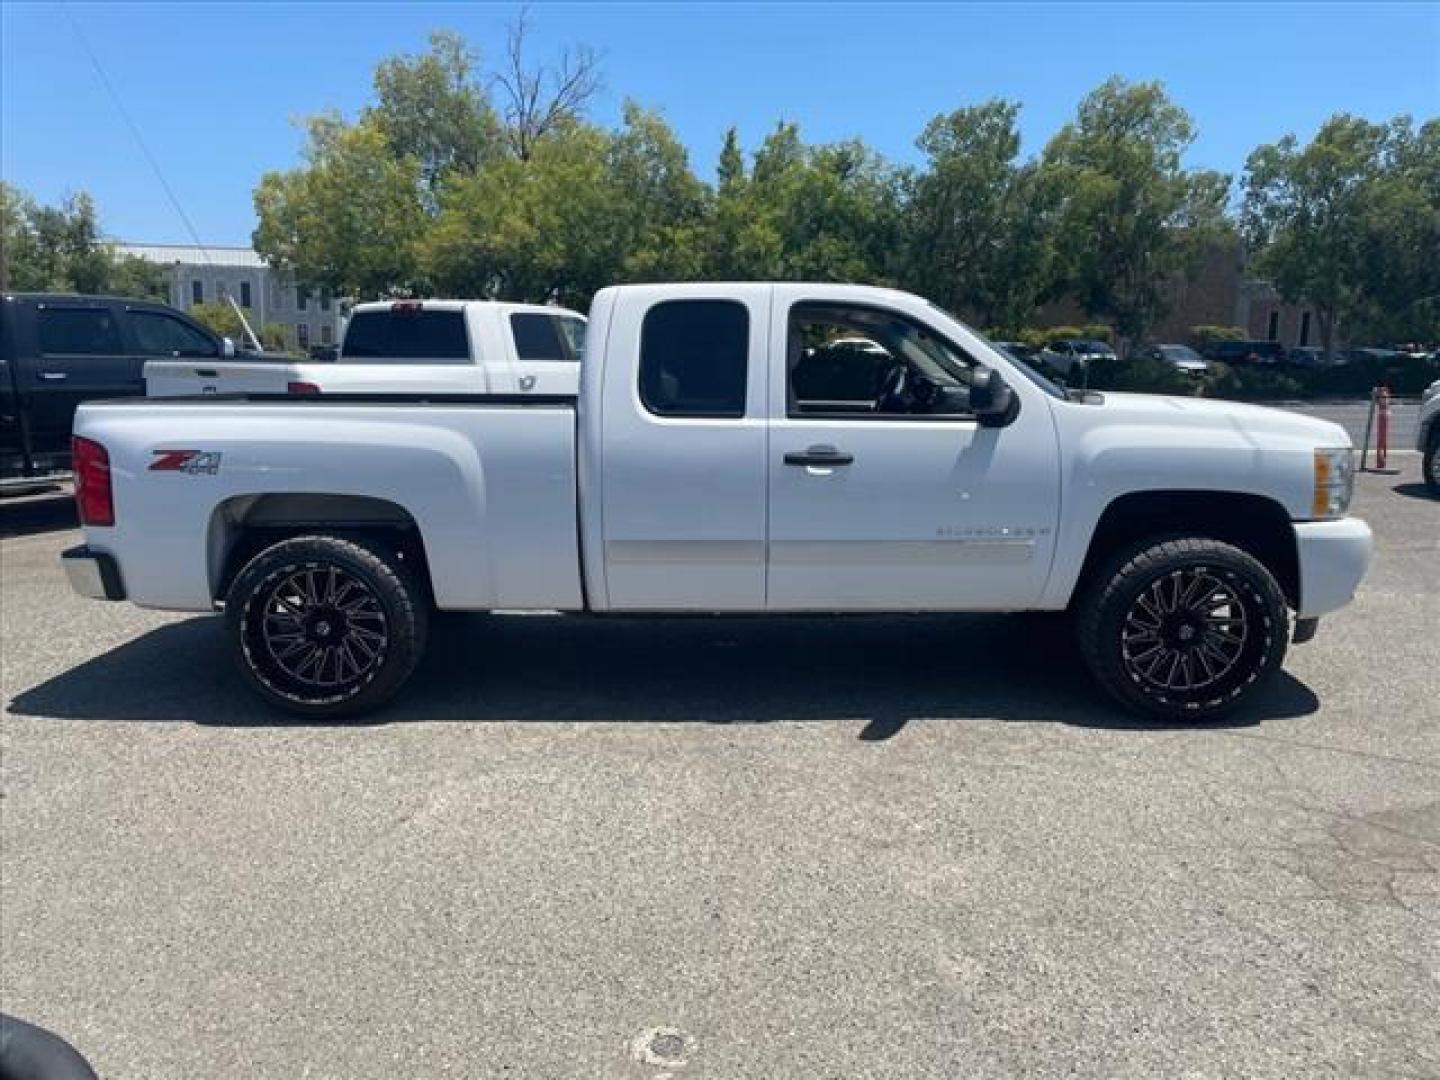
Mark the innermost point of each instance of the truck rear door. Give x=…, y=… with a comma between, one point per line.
x=682, y=458
x=884, y=492
x=81, y=355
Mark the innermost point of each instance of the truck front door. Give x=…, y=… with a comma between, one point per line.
x=885, y=492
x=682, y=473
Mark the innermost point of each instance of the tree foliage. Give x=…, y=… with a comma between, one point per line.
x=1131, y=215
x=978, y=220
x=1351, y=222
x=495, y=183
x=60, y=249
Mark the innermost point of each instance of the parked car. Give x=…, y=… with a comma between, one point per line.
x=1237, y=353
x=1181, y=357
x=1428, y=438
x=702, y=469
x=1308, y=356
x=57, y=350
x=462, y=346
x=1361, y=354
x=1066, y=356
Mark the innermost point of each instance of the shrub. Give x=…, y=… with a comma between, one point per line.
x=1205, y=335
x=1251, y=382
x=1138, y=376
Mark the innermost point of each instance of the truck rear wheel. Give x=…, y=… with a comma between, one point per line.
x=325, y=626
x=1431, y=461
x=1183, y=630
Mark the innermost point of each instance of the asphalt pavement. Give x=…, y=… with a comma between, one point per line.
x=919, y=847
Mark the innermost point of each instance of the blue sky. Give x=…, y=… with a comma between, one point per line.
x=214, y=88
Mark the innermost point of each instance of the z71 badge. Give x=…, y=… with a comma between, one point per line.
x=194, y=462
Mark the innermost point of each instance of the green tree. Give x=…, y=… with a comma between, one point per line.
x=978, y=219
x=1351, y=223
x=529, y=229
x=433, y=108
x=818, y=213
x=60, y=249
x=1131, y=216
x=351, y=219
x=660, y=207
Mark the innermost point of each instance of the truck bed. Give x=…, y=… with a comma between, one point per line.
x=489, y=481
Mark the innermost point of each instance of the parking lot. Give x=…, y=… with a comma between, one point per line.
x=891, y=846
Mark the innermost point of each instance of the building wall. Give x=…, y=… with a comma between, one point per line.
x=1217, y=292
x=273, y=297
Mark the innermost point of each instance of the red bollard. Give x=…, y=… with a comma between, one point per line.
x=1382, y=424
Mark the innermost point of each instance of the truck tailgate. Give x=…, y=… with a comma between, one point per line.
x=183, y=378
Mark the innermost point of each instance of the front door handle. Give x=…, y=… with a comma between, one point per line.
x=821, y=456
x=53, y=376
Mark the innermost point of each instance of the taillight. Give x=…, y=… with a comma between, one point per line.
x=301, y=388
x=93, y=497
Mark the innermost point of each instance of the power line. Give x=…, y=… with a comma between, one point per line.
x=135, y=131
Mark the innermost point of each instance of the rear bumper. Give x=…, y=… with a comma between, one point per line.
x=1333, y=556
x=93, y=574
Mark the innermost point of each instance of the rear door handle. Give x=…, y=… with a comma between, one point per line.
x=53, y=376
x=821, y=456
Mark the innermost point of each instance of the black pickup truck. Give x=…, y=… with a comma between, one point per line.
x=57, y=350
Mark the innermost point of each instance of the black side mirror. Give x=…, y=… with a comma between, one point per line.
x=992, y=400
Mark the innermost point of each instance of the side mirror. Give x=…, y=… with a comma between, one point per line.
x=991, y=399
x=227, y=348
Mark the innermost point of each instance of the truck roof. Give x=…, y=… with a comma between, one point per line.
x=81, y=298
x=443, y=304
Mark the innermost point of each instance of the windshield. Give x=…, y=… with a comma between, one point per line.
x=1051, y=388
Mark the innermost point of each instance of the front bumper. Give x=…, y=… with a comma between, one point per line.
x=93, y=574
x=1333, y=557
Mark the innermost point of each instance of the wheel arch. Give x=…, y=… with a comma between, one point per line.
x=243, y=525
x=1255, y=524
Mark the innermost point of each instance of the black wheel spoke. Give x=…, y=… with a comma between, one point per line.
x=1185, y=631
x=323, y=630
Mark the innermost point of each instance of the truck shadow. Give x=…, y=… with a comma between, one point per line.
x=885, y=670
x=25, y=516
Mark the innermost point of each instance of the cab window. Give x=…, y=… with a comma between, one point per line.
x=854, y=361
x=158, y=334
x=693, y=356
x=78, y=332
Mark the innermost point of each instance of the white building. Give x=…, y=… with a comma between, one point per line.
x=211, y=274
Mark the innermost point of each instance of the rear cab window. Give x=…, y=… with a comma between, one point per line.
x=67, y=331
x=693, y=358
x=537, y=337
x=406, y=333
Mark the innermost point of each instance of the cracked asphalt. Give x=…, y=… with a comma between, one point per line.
x=918, y=847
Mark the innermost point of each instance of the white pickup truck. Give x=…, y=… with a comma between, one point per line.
x=733, y=448
x=465, y=346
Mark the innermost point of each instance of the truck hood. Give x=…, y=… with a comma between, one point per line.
x=1249, y=420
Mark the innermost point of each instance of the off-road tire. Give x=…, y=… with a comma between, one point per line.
x=1430, y=464
x=384, y=602
x=1111, y=620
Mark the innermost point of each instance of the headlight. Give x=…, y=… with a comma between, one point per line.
x=1334, y=481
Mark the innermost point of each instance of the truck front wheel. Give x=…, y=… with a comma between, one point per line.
x=1183, y=630
x=325, y=626
x=1431, y=461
